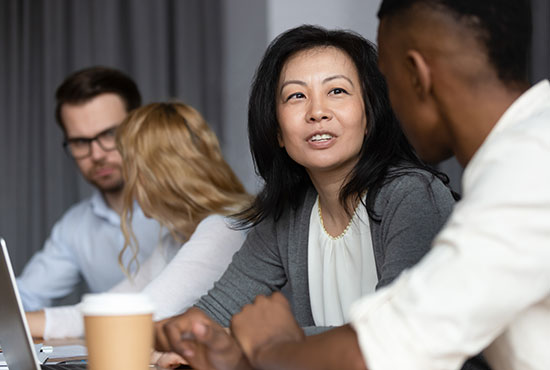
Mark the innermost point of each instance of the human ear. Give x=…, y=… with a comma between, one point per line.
x=419, y=73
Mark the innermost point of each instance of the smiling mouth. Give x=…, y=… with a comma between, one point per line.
x=321, y=137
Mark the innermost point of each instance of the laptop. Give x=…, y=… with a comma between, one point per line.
x=15, y=338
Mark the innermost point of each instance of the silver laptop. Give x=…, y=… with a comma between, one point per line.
x=15, y=338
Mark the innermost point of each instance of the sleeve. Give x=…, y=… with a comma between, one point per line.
x=197, y=265
x=52, y=272
x=147, y=270
x=67, y=321
x=192, y=271
x=413, y=210
x=63, y=322
x=255, y=269
x=490, y=263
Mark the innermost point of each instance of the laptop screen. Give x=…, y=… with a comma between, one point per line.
x=15, y=338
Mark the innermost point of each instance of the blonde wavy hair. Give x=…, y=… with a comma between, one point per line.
x=174, y=168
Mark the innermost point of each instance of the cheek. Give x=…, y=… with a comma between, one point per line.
x=286, y=133
x=115, y=157
x=289, y=144
x=355, y=118
x=84, y=165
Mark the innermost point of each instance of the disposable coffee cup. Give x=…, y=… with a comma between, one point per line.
x=119, y=330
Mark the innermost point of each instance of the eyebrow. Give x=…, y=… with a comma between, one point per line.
x=94, y=137
x=302, y=83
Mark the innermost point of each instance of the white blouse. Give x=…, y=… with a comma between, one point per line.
x=340, y=269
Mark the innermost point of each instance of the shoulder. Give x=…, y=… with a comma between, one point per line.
x=418, y=187
x=214, y=220
x=216, y=225
x=77, y=210
x=290, y=216
x=412, y=180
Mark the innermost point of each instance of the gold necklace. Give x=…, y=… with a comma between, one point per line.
x=323, y=224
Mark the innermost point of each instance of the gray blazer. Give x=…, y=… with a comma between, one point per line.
x=412, y=209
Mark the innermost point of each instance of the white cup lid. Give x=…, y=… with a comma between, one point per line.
x=107, y=304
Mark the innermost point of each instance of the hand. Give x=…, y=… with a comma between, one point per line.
x=167, y=360
x=37, y=323
x=267, y=321
x=201, y=341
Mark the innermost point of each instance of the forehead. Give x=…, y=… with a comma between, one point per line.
x=318, y=60
x=93, y=116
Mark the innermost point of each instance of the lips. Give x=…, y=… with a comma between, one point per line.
x=321, y=140
x=320, y=137
x=104, y=171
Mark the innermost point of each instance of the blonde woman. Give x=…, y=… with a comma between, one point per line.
x=174, y=169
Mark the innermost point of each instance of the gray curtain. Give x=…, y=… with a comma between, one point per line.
x=540, y=64
x=171, y=48
x=203, y=52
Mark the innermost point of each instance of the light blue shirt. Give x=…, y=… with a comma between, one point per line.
x=84, y=245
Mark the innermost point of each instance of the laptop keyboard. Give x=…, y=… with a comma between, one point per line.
x=63, y=367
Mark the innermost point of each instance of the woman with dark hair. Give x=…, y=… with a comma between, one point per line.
x=346, y=204
x=384, y=153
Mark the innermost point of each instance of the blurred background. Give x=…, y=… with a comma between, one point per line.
x=202, y=52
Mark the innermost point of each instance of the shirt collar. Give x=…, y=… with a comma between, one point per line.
x=524, y=106
x=519, y=111
x=101, y=209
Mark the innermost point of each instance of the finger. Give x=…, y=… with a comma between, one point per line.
x=161, y=340
x=212, y=336
x=177, y=333
x=188, y=349
x=221, y=349
x=167, y=360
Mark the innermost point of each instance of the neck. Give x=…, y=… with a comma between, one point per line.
x=474, y=115
x=114, y=200
x=335, y=218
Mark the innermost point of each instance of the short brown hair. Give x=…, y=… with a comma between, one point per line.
x=85, y=84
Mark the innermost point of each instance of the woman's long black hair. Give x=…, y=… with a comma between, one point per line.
x=385, y=153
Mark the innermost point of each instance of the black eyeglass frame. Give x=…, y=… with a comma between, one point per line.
x=111, y=131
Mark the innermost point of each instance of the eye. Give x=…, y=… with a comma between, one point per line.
x=338, y=91
x=297, y=95
x=110, y=133
x=77, y=143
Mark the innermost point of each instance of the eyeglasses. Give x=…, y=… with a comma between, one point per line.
x=81, y=147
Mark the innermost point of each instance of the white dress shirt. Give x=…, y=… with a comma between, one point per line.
x=486, y=283
x=84, y=244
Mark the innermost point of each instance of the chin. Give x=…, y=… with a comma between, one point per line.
x=109, y=187
x=433, y=157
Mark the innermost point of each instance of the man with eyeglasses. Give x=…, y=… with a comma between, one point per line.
x=85, y=243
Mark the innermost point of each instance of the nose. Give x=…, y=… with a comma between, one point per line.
x=318, y=111
x=97, y=152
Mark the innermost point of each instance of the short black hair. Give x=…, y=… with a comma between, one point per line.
x=384, y=148
x=503, y=27
x=85, y=84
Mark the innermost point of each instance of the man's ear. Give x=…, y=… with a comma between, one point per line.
x=419, y=73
